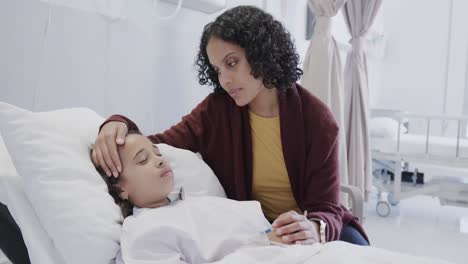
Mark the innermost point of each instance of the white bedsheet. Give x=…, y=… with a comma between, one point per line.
x=222, y=231
x=336, y=252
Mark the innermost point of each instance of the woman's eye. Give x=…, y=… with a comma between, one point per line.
x=143, y=161
x=232, y=63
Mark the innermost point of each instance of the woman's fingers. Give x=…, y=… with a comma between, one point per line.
x=122, y=131
x=114, y=157
x=292, y=228
x=295, y=228
x=106, y=153
x=285, y=219
x=298, y=236
x=306, y=242
x=120, y=140
x=94, y=157
x=100, y=161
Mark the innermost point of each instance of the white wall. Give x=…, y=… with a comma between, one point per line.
x=420, y=64
x=178, y=90
x=293, y=16
x=416, y=55
x=140, y=67
x=84, y=60
x=458, y=59
x=424, y=67
x=144, y=68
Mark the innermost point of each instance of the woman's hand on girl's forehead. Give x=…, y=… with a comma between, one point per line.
x=105, y=154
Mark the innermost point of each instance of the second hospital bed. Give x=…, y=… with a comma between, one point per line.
x=421, y=147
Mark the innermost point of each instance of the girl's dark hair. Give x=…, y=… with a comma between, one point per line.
x=126, y=207
x=267, y=44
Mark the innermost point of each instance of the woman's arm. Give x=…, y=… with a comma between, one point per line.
x=322, y=198
x=187, y=134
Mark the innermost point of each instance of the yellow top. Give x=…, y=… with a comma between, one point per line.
x=270, y=183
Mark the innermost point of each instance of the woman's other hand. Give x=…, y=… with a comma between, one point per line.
x=105, y=154
x=294, y=228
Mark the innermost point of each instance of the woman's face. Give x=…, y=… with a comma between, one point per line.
x=146, y=178
x=234, y=71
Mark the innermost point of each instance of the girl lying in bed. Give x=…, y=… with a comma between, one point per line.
x=196, y=229
x=158, y=229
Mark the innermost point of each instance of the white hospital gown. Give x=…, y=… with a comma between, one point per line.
x=195, y=230
x=222, y=231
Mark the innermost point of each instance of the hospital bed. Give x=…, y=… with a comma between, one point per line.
x=402, y=141
x=54, y=238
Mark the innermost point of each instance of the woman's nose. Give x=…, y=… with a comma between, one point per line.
x=225, y=80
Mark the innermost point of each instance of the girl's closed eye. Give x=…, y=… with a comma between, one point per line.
x=156, y=152
x=143, y=161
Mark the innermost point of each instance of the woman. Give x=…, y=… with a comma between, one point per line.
x=265, y=137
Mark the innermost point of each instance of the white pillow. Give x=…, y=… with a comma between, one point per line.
x=50, y=153
x=191, y=172
x=39, y=245
x=385, y=127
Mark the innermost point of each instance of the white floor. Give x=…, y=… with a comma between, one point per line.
x=420, y=226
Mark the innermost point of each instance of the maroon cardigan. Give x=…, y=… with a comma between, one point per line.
x=220, y=131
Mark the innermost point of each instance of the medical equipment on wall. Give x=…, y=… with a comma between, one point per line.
x=174, y=14
x=205, y=6
x=115, y=9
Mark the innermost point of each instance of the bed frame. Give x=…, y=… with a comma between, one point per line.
x=357, y=201
x=447, y=190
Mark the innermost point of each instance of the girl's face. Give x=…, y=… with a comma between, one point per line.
x=234, y=71
x=146, y=178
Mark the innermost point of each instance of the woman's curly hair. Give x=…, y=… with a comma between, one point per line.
x=268, y=46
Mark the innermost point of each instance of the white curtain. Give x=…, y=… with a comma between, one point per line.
x=323, y=70
x=359, y=16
